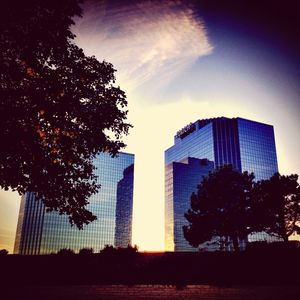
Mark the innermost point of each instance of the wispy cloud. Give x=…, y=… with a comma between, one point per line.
x=144, y=40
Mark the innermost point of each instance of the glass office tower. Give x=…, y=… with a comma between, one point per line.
x=39, y=232
x=247, y=145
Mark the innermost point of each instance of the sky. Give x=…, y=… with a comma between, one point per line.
x=179, y=61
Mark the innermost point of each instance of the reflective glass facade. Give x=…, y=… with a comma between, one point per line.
x=123, y=229
x=41, y=233
x=247, y=145
x=30, y=225
x=257, y=148
x=183, y=181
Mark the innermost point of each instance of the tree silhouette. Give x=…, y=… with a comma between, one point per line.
x=108, y=251
x=3, y=252
x=221, y=207
x=277, y=205
x=86, y=251
x=58, y=107
x=65, y=252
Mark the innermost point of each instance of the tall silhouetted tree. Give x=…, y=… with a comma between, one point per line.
x=221, y=207
x=58, y=107
x=277, y=205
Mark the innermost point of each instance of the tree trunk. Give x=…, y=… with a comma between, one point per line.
x=286, y=239
x=235, y=242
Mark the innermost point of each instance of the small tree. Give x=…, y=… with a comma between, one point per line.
x=277, y=205
x=221, y=207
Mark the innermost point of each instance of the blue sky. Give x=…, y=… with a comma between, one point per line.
x=179, y=61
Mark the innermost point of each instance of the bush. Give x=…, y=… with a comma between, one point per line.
x=273, y=246
x=108, y=250
x=120, y=252
x=86, y=251
x=3, y=252
x=66, y=252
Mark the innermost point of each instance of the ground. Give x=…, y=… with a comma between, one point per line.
x=121, y=292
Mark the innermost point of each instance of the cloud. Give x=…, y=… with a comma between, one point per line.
x=144, y=40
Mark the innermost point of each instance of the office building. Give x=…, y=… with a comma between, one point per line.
x=41, y=232
x=247, y=145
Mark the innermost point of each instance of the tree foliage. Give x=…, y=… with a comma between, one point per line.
x=65, y=252
x=276, y=205
x=3, y=252
x=58, y=107
x=221, y=207
x=86, y=251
